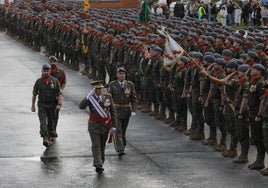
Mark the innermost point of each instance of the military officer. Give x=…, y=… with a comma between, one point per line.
x=102, y=119
x=49, y=100
x=125, y=99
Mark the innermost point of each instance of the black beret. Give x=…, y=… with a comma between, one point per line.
x=184, y=32
x=217, y=55
x=46, y=66
x=220, y=36
x=259, y=67
x=221, y=61
x=250, y=38
x=239, y=41
x=242, y=32
x=184, y=59
x=251, y=29
x=243, y=55
x=52, y=58
x=156, y=48
x=209, y=58
x=259, y=46
x=259, y=39
x=239, y=62
x=227, y=52
x=232, y=64
x=111, y=31
x=198, y=55
x=243, y=68
x=208, y=53
x=210, y=39
x=252, y=54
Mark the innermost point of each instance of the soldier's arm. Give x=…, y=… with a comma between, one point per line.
x=134, y=99
x=83, y=104
x=243, y=105
x=35, y=92
x=260, y=109
x=209, y=95
x=113, y=113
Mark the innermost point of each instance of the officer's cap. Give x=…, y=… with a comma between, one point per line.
x=259, y=67
x=221, y=61
x=252, y=54
x=209, y=58
x=259, y=46
x=98, y=84
x=46, y=66
x=232, y=64
x=227, y=53
x=121, y=69
x=52, y=58
x=243, y=68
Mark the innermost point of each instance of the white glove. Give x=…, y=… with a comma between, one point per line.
x=133, y=114
x=112, y=130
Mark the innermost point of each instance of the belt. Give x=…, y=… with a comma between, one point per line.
x=122, y=105
x=98, y=119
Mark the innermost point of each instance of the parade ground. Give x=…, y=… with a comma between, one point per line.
x=156, y=155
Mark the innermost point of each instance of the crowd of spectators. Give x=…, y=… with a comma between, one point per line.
x=248, y=13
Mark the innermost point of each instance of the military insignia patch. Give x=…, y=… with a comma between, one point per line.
x=127, y=91
x=107, y=102
x=253, y=88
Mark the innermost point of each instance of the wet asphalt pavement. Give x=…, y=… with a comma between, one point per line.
x=156, y=155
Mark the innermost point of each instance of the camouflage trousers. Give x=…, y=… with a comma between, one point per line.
x=46, y=114
x=256, y=132
x=242, y=130
x=230, y=124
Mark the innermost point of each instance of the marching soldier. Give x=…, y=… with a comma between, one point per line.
x=102, y=117
x=49, y=100
x=60, y=75
x=125, y=99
